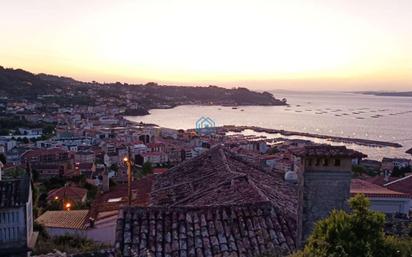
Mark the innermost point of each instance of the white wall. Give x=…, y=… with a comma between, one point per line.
x=104, y=231
x=391, y=205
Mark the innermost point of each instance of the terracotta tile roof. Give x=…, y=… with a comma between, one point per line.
x=159, y=170
x=379, y=180
x=326, y=151
x=192, y=201
x=68, y=192
x=40, y=152
x=140, y=189
x=219, y=177
x=403, y=185
x=244, y=230
x=359, y=186
x=76, y=219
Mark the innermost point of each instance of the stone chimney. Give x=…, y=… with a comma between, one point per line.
x=324, y=178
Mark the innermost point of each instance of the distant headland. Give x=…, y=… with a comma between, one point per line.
x=135, y=99
x=381, y=93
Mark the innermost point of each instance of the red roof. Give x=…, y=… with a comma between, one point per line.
x=40, y=152
x=75, y=219
x=359, y=186
x=85, y=166
x=68, y=192
x=159, y=170
x=326, y=151
x=403, y=185
x=379, y=180
x=141, y=191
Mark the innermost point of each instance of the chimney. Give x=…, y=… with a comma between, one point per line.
x=324, y=177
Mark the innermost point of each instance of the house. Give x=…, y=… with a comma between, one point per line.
x=71, y=194
x=139, y=149
x=111, y=158
x=371, y=165
x=47, y=171
x=6, y=144
x=382, y=199
x=403, y=185
x=84, y=156
x=16, y=217
x=58, y=223
x=103, y=215
x=49, y=162
x=218, y=204
x=14, y=155
x=85, y=168
x=155, y=158
x=156, y=147
x=388, y=164
x=32, y=132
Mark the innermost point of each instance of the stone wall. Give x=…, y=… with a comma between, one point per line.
x=321, y=192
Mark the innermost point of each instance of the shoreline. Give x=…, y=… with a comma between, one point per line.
x=200, y=104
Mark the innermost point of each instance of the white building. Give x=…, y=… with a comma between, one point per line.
x=381, y=198
x=16, y=217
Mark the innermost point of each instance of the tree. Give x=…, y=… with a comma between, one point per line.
x=147, y=168
x=358, y=170
x=114, y=167
x=400, y=172
x=2, y=158
x=344, y=234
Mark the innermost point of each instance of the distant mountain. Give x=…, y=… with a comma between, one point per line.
x=379, y=93
x=20, y=84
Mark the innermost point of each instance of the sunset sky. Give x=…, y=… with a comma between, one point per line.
x=273, y=44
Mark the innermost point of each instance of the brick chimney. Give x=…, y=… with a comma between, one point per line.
x=324, y=178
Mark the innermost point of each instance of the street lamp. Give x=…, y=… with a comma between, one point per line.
x=129, y=165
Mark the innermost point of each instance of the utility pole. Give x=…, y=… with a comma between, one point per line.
x=127, y=160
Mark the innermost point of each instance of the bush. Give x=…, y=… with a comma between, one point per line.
x=69, y=244
x=358, y=233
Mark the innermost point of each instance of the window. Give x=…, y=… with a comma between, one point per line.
x=337, y=162
x=326, y=162
x=310, y=162
x=318, y=162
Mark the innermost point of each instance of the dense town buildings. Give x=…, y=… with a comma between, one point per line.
x=202, y=195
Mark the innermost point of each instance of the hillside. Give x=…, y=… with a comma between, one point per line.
x=20, y=84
